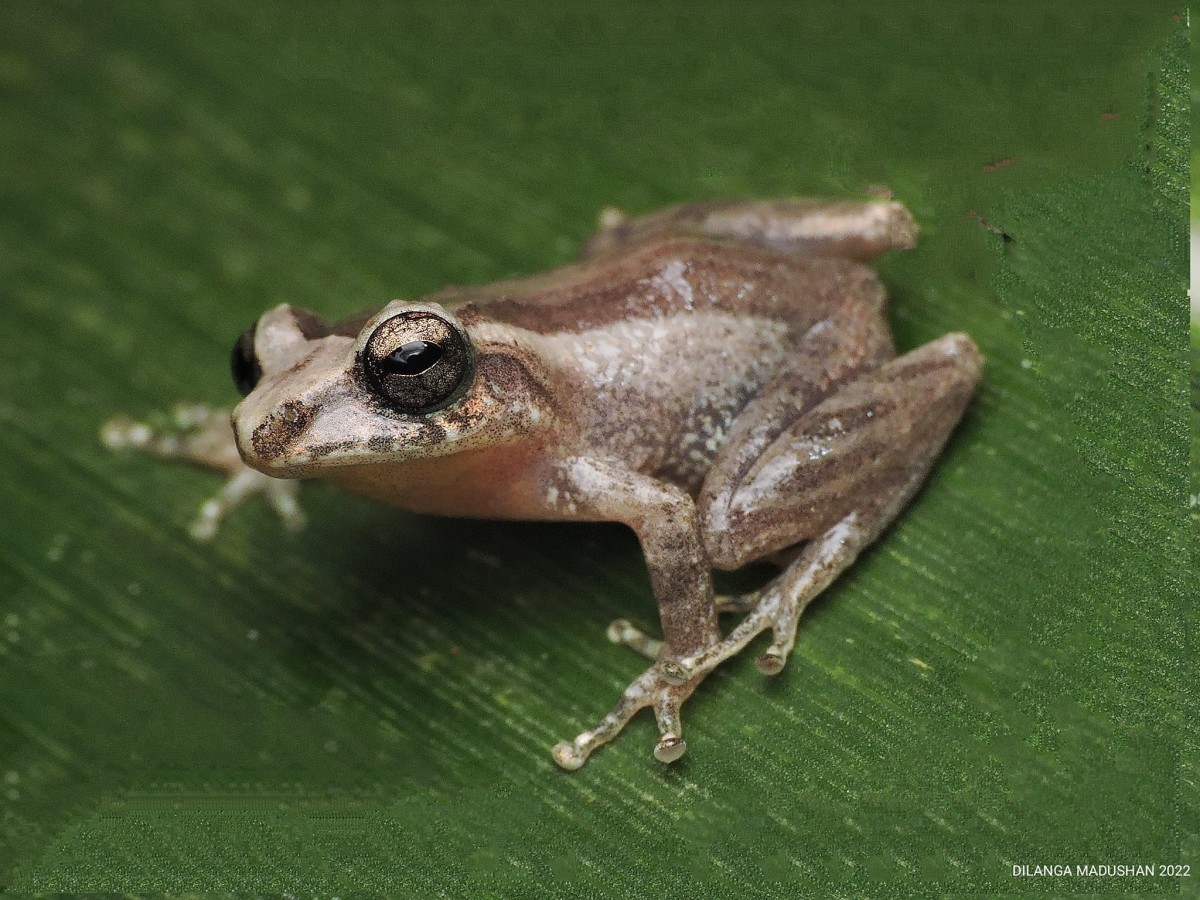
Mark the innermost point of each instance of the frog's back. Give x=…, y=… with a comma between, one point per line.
x=668, y=276
x=658, y=346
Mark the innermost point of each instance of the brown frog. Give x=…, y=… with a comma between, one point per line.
x=719, y=377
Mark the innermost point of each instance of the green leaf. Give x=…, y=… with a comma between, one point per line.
x=369, y=706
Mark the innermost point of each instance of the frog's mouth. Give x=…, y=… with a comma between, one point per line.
x=297, y=438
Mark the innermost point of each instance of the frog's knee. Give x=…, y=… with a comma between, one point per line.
x=725, y=552
x=723, y=522
x=753, y=526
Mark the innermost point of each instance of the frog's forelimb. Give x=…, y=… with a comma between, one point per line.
x=204, y=436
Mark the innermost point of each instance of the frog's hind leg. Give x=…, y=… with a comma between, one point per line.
x=835, y=477
x=859, y=230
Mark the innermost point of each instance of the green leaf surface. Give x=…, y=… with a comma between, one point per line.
x=368, y=706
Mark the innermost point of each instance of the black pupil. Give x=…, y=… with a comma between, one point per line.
x=412, y=358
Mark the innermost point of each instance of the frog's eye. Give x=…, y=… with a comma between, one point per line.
x=244, y=364
x=417, y=361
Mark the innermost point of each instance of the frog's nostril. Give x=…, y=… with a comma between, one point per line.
x=280, y=430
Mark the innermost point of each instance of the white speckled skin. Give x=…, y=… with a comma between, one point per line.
x=720, y=377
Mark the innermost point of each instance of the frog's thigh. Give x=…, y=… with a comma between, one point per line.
x=850, y=229
x=853, y=453
x=835, y=479
x=851, y=341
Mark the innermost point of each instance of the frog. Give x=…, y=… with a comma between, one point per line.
x=718, y=376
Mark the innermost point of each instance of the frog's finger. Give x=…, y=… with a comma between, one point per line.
x=650, y=688
x=622, y=631
x=235, y=492
x=283, y=498
x=193, y=432
x=671, y=745
x=737, y=603
x=122, y=433
x=641, y=693
x=238, y=490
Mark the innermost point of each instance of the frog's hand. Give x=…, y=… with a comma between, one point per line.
x=622, y=631
x=650, y=689
x=204, y=436
x=656, y=688
x=859, y=230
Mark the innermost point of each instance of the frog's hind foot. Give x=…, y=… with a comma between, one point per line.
x=204, y=436
x=652, y=689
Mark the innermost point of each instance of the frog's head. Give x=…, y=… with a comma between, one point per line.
x=412, y=381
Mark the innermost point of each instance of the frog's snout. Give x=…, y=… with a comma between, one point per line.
x=277, y=434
